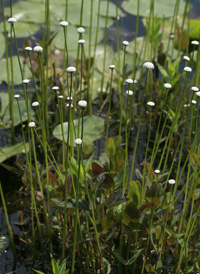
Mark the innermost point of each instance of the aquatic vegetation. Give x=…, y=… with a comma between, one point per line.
x=102, y=134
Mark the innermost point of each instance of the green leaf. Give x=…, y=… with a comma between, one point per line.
x=119, y=258
x=108, y=182
x=194, y=26
x=130, y=261
x=134, y=192
x=171, y=69
x=4, y=243
x=71, y=203
x=38, y=271
x=130, y=215
x=11, y=150
x=93, y=127
x=111, y=149
x=135, y=256
x=16, y=70
x=164, y=73
x=106, y=222
x=5, y=113
x=22, y=29
x=162, y=8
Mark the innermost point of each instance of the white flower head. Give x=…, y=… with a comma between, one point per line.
x=12, y=20
x=112, y=66
x=125, y=43
x=195, y=42
x=60, y=96
x=194, y=102
x=195, y=89
x=17, y=96
x=38, y=49
x=129, y=81
x=64, y=23
x=157, y=171
x=71, y=105
x=172, y=36
x=80, y=30
x=103, y=90
x=70, y=98
x=135, y=81
x=81, y=41
x=198, y=93
x=55, y=88
x=71, y=69
x=35, y=104
x=28, y=48
x=31, y=124
x=129, y=92
x=82, y=104
x=187, y=69
x=186, y=58
x=171, y=181
x=26, y=81
x=151, y=104
x=148, y=65
x=78, y=142
x=167, y=85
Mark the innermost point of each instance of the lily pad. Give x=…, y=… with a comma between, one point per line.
x=73, y=37
x=16, y=70
x=162, y=8
x=2, y=48
x=11, y=150
x=5, y=114
x=93, y=127
x=23, y=29
x=28, y=11
x=4, y=243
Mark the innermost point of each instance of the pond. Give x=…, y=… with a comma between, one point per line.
x=136, y=127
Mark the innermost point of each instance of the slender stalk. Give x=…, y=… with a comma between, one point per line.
x=109, y=107
x=8, y=225
x=66, y=175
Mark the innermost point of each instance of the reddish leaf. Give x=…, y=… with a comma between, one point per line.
x=97, y=169
x=142, y=207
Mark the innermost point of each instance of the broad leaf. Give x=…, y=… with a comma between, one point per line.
x=11, y=150
x=162, y=8
x=16, y=71
x=5, y=113
x=93, y=128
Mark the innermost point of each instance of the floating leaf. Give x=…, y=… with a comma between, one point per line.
x=5, y=113
x=162, y=8
x=73, y=37
x=8, y=151
x=93, y=128
x=16, y=70
x=23, y=29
